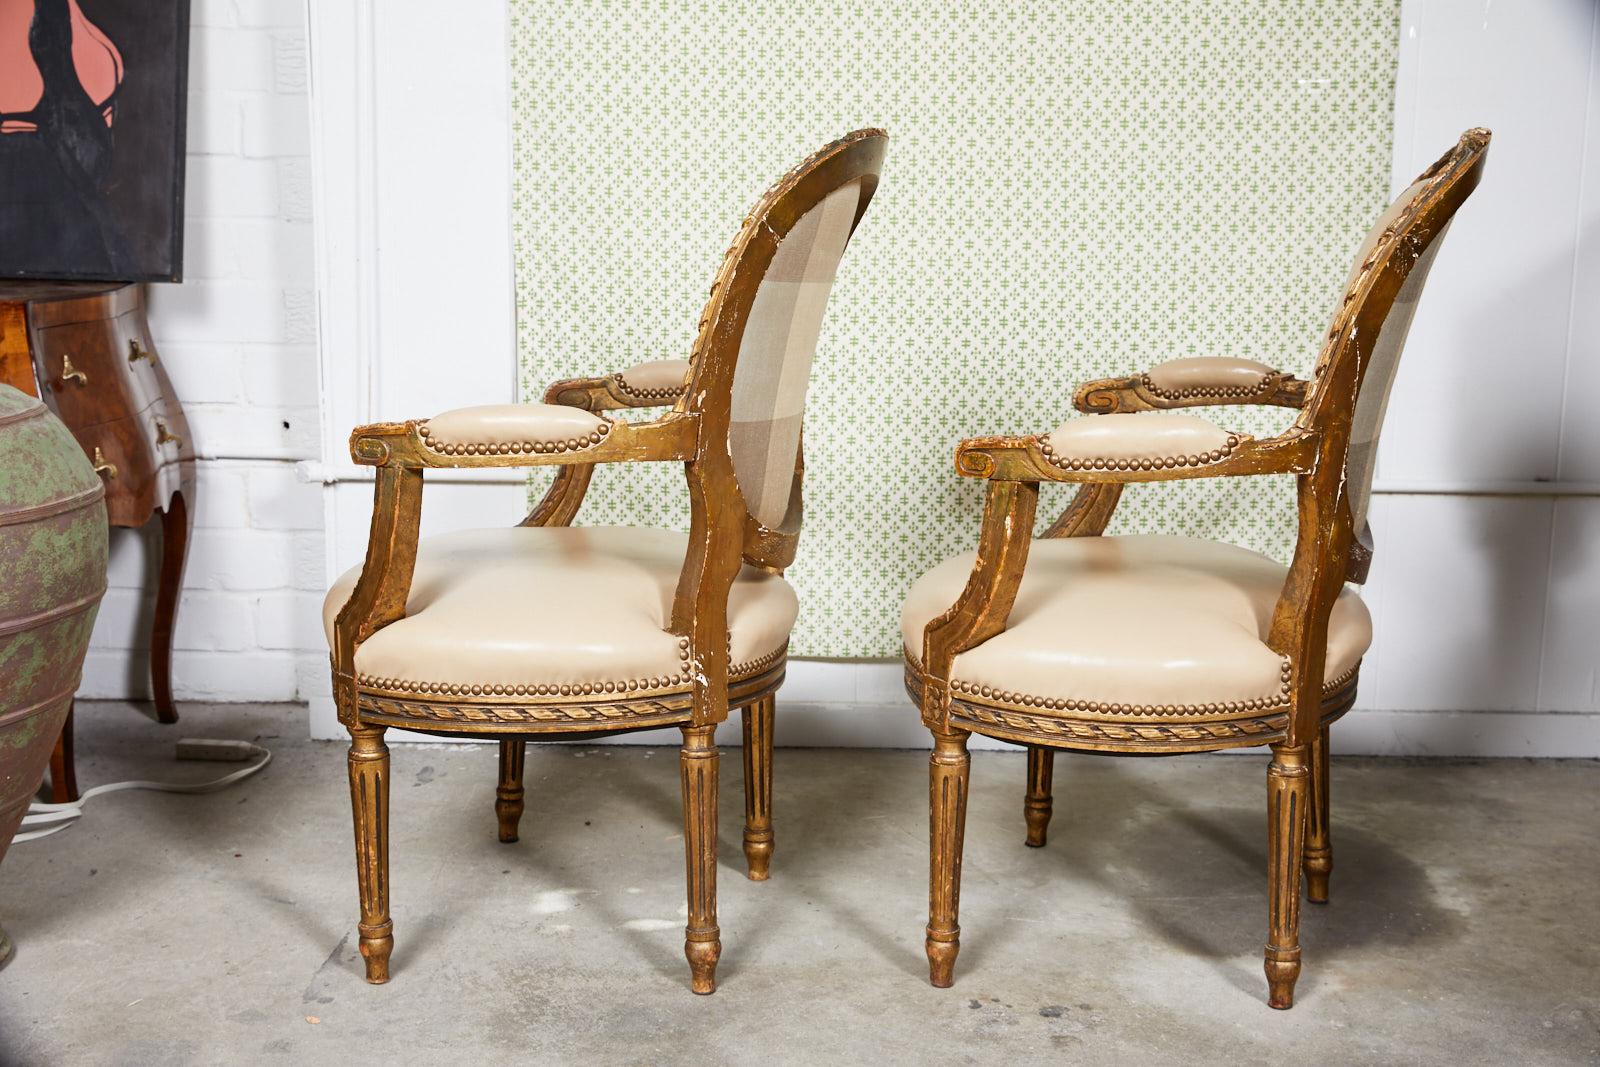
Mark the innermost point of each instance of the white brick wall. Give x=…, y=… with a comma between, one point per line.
x=239, y=339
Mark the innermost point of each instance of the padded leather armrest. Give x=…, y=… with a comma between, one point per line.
x=521, y=435
x=1134, y=448
x=1194, y=382
x=1208, y=376
x=644, y=385
x=659, y=380
x=504, y=429
x=1137, y=442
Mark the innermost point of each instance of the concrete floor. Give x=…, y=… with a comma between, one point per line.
x=221, y=929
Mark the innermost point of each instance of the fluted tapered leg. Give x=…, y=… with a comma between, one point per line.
x=369, y=802
x=1319, y=834
x=948, y=772
x=758, y=723
x=1288, y=783
x=508, y=795
x=1037, y=805
x=702, y=944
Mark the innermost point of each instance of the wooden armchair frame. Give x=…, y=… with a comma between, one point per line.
x=723, y=537
x=1327, y=552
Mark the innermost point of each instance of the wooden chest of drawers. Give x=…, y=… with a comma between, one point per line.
x=86, y=349
x=100, y=371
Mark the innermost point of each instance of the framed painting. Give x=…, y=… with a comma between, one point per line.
x=92, y=96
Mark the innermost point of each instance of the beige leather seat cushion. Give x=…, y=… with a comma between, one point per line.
x=1145, y=621
x=556, y=612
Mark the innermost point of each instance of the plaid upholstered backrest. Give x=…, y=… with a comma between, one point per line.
x=1372, y=402
x=1380, y=301
x=759, y=333
x=780, y=339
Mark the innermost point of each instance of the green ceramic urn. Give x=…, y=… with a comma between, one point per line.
x=52, y=575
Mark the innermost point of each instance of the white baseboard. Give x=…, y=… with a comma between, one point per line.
x=1542, y=734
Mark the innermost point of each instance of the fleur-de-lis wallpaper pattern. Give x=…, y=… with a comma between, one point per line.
x=1073, y=190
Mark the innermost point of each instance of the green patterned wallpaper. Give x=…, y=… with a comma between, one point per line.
x=1073, y=190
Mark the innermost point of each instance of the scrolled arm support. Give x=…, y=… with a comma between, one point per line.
x=1089, y=513
x=1198, y=382
x=560, y=503
x=991, y=590
x=380, y=595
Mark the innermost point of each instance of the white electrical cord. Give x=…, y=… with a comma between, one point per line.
x=63, y=815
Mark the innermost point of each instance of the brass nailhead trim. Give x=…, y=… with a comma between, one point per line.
x=737, y=672
x=664, y=393
x=648, y=711
x=1159, y=463
x=1276, y=702
x=571, y=444
x=1223, y=391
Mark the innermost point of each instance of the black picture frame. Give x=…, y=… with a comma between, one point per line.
x=80, y=201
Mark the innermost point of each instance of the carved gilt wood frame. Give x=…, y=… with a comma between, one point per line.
x=1328, y=552
x=723, y=536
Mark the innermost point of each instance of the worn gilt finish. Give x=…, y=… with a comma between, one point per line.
x=1137, y=393
x=724, y=536
x=508, y=795
x=758, y=725
x=1328, y=551
x=1037, y=805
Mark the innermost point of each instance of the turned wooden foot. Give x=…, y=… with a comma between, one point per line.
x=1319, y=835
x=508, y=795
x=369, y=802
x=758, y=841
x=698, y=765
x=948, y=772
x=1036, y=807
x=1288, y=782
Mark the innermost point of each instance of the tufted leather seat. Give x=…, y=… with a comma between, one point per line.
x=555, y=611
x=1138, y=621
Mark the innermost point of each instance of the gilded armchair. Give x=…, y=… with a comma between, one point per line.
x=548, y=632
x=1157, y=645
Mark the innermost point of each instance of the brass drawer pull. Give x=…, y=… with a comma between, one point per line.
x=105, y=470
x=165, y=436
x=137, y=351
x=69, y=373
